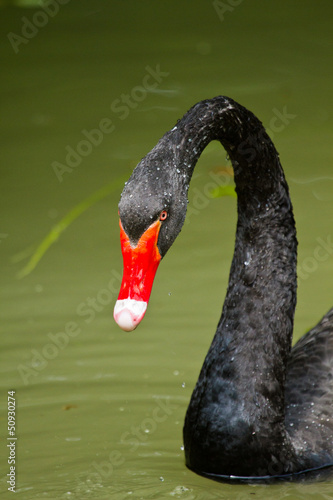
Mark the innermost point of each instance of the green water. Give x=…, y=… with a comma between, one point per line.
x=99, y=412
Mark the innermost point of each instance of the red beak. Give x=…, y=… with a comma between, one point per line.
x=140, y=266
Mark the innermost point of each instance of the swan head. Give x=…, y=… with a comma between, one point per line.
x=152, y=211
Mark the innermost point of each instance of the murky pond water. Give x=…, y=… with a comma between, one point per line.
x=88, y=88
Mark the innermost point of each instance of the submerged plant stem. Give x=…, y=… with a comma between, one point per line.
x=56, y=231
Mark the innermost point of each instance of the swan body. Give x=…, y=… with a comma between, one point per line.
x=260, y=408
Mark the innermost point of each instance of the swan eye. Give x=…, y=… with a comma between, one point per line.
x=163, y=215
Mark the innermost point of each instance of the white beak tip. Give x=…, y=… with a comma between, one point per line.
x=128, y=313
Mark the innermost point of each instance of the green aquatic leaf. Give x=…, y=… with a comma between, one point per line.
x=223, y=191
x=63, y=224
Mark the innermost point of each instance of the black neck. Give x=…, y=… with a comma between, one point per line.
x=253, y=155
x=253, y=339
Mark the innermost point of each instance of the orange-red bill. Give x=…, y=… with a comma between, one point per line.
x=140, y=265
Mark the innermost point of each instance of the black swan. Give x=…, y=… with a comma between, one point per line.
x=259, y=409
